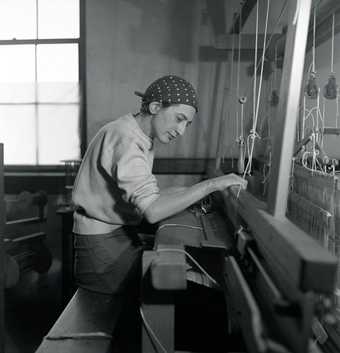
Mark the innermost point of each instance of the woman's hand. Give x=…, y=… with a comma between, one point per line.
x=225, y=181
x=174, y=200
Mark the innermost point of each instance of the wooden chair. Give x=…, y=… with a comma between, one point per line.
x=24, y=231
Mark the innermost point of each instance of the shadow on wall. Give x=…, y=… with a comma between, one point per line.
x=168, y=26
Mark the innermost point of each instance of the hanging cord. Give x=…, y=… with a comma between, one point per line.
x=232, y=94
x=239, y=54
x=255, y=59
x=253, y=134
x=232, y=80
x=337, y=111
x=283, y=9
x=332, y=56
x=232, y=69
x=151, y=332
x=311, y=88
x=193, y=260
x=241, y=101
x=238, y=115
x=330, y=90
x=241, y=155
x=313, y=49
x=262, y=63
x=323, y=113
x=317, y=112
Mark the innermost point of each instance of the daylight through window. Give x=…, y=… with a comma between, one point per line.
x=39, y=81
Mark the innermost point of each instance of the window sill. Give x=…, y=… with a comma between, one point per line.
x=34, y=170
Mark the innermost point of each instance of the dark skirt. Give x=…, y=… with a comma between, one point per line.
x=108, y=263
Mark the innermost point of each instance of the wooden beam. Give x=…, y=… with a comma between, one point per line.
x=324, y=20
x=210, y=53
x=227, y=41
x=239, y=21
x=290, y=89
x=331, y=131
x=2, y=252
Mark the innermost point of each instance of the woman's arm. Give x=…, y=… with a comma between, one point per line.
x=170, y=203
x=173, y=189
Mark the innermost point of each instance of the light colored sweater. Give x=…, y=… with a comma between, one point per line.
x=115, y=184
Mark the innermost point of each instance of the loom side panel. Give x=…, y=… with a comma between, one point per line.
x=291, y=255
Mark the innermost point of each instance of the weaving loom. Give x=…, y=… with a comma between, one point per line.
x=313, y=204
x=288, y=245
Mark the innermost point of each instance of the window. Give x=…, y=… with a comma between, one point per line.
x=39, y=81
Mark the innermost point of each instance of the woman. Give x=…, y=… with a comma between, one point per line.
x=115, y=187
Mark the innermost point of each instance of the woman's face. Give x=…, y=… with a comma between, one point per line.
x=170, y=122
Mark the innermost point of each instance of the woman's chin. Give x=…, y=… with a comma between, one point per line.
x=165, y=140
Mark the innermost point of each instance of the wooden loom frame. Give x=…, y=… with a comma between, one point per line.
x=294, y=257
x=297, y=264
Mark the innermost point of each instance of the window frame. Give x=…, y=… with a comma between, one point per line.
x=52, y=169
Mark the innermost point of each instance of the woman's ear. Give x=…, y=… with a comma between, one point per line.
x=155, y=107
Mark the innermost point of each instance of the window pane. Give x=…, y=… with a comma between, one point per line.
x=17, y=132
x=17, y=92
x=58, y=19
x=57, y=63
x=17, y=19
x=17, y=63
x=58, y=133
x=58, y=92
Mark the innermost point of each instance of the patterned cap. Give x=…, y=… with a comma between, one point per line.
x=170, y=89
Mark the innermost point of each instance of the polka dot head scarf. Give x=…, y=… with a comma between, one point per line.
x=170, y=89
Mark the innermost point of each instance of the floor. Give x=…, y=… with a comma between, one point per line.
x=32, y=307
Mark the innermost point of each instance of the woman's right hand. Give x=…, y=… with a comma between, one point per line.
x=225, y=181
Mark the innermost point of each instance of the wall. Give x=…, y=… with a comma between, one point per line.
x=129, y=44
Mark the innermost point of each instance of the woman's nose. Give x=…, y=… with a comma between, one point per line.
x=181, y=128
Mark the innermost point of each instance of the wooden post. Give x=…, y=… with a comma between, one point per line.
x=158, y=309
x=289, y=106
x=2, y=252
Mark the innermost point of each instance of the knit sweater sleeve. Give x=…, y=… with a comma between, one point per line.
x=132, y=172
